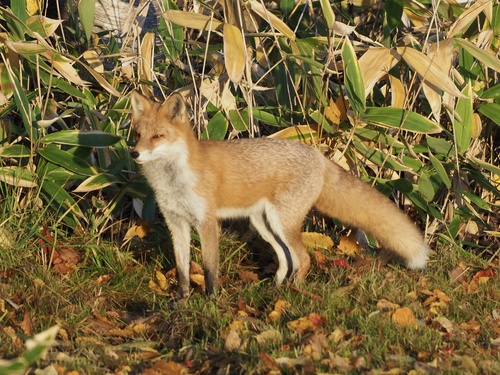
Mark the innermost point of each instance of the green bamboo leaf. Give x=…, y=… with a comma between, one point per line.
x=328, y=13
x=425, y=187
x=378, y=157
x=68, y=161
x=62, y=202
x=488, y=59
x=491, y=110
x=400, y=118
x=463, y=120
x=17, y=176
x=91, y=138
x=216, y=128
x=263, y=114
x=440, y=146
x=171, y=34
x=234, y=53
x=353, y=79
x=15, y=20
x=97, y=182
x=440, y=170
x=42, y=25
x=86, y=11
x=493, y=92
x=238, y=121
x=15, y=151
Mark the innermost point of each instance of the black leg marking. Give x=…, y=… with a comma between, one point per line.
x=285, y=248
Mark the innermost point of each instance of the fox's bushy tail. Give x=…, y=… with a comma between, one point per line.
x=356, y=203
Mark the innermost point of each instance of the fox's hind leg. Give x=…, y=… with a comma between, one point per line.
x=275, y=238
x=286, y=241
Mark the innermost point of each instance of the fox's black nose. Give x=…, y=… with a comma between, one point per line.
x=134, y=154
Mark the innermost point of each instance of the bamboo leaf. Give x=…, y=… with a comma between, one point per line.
x=353, y=79
x=86, y=11
x=463, y=120
x=400, y=118
x=492, y=111
x=91, y=138
x=68, y=161
x=467, y=17
x=429, y=70
x=17, y=176
x=192, y=20
x=440, y=170
x=234, y=52
x=270, y=18
x=488, y=59
x=97, y=182
x=328, y=13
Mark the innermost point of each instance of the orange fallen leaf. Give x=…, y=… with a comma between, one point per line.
x=404, y=317
x=269, y=362
x=248, y=276
x=349, y=245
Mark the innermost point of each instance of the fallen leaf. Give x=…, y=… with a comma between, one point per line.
x=25, y=325
x=404, y=317
x=269, y=362
x=195, y=268
x=444, y=324
x=342, y=364
x=248, y=276
x=384, y=305
x=317, y=240
x=471, y=326
x=306, y=323
x=170, y=368
x=161, y=280
x=271, y=335
x=233, y=340
x=279, y=307
x=349, y=246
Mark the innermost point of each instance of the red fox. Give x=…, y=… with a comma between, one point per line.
x=272, y=182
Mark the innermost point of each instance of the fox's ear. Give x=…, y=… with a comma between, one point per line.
x=140, y=105
x=174, y=107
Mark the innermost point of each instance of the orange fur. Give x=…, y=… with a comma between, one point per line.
x=273, y=182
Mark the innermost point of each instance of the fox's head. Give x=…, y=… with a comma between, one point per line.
x=161, y=130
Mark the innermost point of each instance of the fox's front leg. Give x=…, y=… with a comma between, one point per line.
x=180, y=231
x=209, y=237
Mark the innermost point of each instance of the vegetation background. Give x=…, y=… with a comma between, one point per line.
x=403, y=93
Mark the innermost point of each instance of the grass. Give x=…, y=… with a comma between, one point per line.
x=117, y=317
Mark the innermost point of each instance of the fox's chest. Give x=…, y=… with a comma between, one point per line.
x=174, y=188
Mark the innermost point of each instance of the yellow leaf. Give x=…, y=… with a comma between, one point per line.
x=301, y=132
x=398, y=94
x=317, y=240
x=274, y=21
x=234, y=53
x=192, y=20
x=403, y=317
x=468, y=16
x=374, y=64
x=32, y=6
x=430, y=71
x=348, y=245
x=94, y=60
x=162, y=280
x=146, y=62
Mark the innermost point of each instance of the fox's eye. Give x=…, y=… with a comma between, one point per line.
x=157, y=136
x=137, y=136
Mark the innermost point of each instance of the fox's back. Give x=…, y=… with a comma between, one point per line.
x=242, y=172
